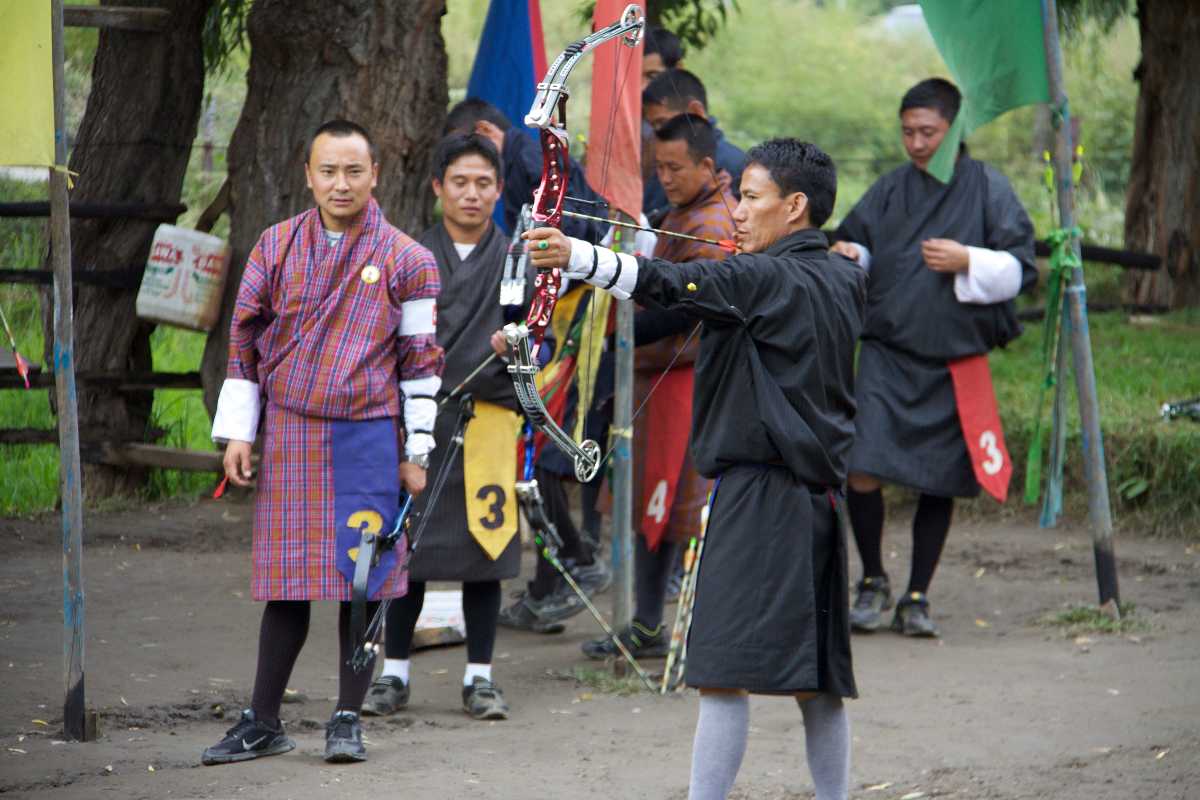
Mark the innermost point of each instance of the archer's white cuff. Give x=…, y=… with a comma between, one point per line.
x=616, y=273
x=238, y=408
x=864, y=256
x=420, y=413
x=993, y=276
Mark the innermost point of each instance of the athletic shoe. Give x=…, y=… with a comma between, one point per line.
x=912, y=616
x=640, y=641
x=593, y=578
x=343, y=739
x=246, y=740
x=874, y=597
x=483, y=700
x=387, y=695
x=541, y=616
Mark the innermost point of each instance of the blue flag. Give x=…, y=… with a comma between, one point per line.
x=510, y=61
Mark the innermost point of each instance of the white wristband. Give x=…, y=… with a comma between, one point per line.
x=238, y=408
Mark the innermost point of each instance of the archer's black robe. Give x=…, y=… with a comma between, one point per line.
x=773, y=421
x=908, y=431
x=468, y=312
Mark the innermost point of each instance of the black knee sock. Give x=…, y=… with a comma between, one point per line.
x=280, y=638
x=866, y=517
x=652, y=569
x=352, y=686
x=481, y=608
x=930, y=526
x=402, y=621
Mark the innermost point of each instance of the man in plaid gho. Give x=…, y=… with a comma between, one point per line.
x=334, y=321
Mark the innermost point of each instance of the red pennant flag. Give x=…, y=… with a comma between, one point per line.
x=614, y=160
x=981, y=428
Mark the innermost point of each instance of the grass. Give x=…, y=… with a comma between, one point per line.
x=604, y=681
x=1077, y=620
x=1151, y=464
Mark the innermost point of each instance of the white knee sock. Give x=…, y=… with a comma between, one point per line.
x=720, y=744
x=395, y=668
x=827, y=744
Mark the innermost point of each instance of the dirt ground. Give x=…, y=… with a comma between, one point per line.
x=1001, y=707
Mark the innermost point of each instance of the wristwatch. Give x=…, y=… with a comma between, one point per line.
x=421, y=460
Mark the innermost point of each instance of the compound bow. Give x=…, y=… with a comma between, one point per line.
x=549, y=115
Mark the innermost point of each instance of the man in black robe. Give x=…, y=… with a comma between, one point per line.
x=773, y=423
x=470, y=252
x=944, y=263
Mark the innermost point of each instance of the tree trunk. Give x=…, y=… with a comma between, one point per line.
x=133, y=146
x=380, y=63
x=1162, y=207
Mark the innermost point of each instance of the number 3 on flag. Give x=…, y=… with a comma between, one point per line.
x=995, y=459
x=980, y=419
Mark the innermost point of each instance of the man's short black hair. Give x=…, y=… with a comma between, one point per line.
x=464, y=115
x=340, y=128
x=454, y=146
x=693, y=129
x=798, y=166
x=937, y=93
x=674, y=89
x=666, y=44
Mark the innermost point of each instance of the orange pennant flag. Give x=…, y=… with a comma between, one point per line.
x=614, y=160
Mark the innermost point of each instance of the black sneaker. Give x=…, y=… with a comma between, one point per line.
x=541, y=616
x=246, y=740
x=874, y=597
x=483, y=700
x=642, y=642
x=343, y=738
x=387, y=695
x=912, y=616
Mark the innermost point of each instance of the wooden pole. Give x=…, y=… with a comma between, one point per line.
x=622, y=467
x=74, y=713
x=1099, y=510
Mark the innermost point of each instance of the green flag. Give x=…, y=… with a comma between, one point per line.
x=995, y=52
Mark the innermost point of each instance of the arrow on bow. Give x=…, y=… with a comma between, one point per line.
x=549, y=115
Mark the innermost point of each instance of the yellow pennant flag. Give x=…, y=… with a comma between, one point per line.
x=489, y=472
x=26, y=85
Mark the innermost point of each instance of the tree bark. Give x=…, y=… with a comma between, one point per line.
x=1162, y=207
x=380, y=63
x=133, y=146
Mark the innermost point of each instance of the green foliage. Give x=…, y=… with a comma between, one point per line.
x=695, y=22
x=1076, y=16
x=224, y=34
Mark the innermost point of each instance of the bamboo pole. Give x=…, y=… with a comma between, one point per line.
x=74, y=714
x=1099, y=509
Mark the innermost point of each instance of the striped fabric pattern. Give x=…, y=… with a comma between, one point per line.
x=317, y=323
x=294, y=539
